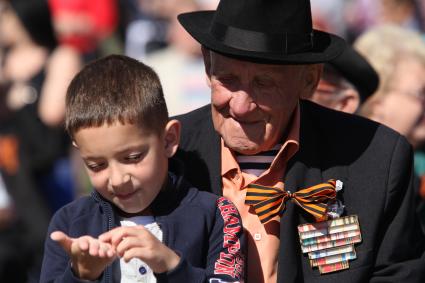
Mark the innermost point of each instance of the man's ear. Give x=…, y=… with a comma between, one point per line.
x=207, y=63
x=314, y=72
x=172, y=137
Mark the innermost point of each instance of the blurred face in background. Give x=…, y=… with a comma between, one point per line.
x=11, y=28
x=177, y=36
x=395, y=11
x=337, y=94
x=402, y=107
x=412, y=82
x=83, y=24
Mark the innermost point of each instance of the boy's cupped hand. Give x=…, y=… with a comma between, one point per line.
x=138, y=242
x=89, y=256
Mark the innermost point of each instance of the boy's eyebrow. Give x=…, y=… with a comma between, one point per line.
x=85, y=158
x=137, y=147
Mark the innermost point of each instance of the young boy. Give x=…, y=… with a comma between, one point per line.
x=143, y=223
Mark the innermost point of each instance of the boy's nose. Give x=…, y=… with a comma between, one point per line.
x=117, y=178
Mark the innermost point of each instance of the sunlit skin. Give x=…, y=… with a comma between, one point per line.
x=89, y=256
x=252, y=104
x=127, y=165
x=341, y=98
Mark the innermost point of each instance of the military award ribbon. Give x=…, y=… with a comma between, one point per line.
x=269, y=202
x=329, y=243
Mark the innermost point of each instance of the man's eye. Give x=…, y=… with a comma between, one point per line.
x=263, y=83
x=226, y=80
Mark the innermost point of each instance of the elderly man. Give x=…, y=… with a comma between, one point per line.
x=324, y=196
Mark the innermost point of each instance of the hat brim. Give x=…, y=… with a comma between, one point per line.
x=357, y=70
x=326, y=46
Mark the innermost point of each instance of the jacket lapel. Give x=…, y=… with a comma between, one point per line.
x=210, y=152
x=303, y=170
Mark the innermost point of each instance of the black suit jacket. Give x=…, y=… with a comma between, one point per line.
x=375, y=164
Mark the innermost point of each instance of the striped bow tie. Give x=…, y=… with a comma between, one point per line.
x=269, y=201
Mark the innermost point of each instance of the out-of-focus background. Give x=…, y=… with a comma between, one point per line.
x=44, y=43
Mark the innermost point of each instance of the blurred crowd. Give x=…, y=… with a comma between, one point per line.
x=43, y=43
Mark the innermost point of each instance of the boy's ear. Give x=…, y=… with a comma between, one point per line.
x=74, y=144
x=172, y=137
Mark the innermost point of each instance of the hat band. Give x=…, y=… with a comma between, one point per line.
x=262, y=42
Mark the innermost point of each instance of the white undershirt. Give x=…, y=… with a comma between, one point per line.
x=136, y=270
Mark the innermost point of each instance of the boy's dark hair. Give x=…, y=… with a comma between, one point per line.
x=115, y=88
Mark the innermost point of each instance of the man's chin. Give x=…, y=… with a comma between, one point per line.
x=244, y=147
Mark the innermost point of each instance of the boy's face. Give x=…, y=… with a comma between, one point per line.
x=126, y=164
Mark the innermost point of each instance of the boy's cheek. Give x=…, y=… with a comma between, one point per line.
x=100, y=183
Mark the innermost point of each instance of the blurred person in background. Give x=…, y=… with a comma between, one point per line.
x=346, y=82
x=398, y=55
x=28, y=147
x=148, y=23
x=29, y=42
x=180, y=65
x=404, y=13
x=361, y=15
x=146, y=31
x=86, y=30
x=81, y=27
x=398, y=102
x=328, y=15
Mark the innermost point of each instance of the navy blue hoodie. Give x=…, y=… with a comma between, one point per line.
x=203, y=229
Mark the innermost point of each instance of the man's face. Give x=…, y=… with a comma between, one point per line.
x=253, y=103
x=126, y=164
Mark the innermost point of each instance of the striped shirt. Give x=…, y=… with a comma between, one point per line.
x=259, y=163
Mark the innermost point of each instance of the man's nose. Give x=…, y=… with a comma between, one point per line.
x=241, y=103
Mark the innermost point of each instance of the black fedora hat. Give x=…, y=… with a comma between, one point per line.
x=269, y=31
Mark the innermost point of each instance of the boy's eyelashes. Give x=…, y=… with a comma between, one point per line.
x=95, y=167
x=134, y=157
x=98, y=166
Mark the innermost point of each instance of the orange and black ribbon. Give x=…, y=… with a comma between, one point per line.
x=269, y=201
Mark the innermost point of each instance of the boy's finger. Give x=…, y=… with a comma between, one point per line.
x=107, y=236
x=83, y=243
x=110, y=253
x=133, y=253
x=62, y=239
x=94, y=247
x=130, y=243
x=106, y=250
x=115, y=236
